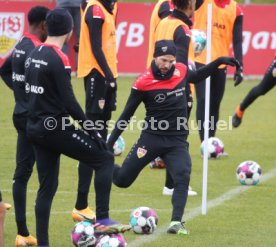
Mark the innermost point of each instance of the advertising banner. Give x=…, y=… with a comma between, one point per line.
x=259, y=34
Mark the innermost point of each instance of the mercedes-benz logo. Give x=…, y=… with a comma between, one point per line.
x=159, y=98
x=27, y=62
x=27, y=87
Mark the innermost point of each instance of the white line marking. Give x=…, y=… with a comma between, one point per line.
x=193, y=213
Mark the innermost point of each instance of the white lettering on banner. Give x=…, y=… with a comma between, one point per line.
x=120, y=32
x=260, y=41
x=134, y=34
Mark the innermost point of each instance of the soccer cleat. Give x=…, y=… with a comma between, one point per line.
x=191, y=192
x=25, y=241
x=169, y=192
x=109, y=226
x=157, y=163
x=237, y=117
x=236, y=121
x=7, y=206
x=177, y=227
x=84, y=214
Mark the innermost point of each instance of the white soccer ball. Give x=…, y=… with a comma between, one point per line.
x=215, y=147
x=119, y=146
x=83, y=234
x=114, y=240
x=199, y=39
x=143, y=220
x=249, y=172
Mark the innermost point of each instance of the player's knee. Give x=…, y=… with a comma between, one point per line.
x=119, y=180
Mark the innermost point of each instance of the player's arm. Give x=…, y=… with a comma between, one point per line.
x=237, y=35
x=95, y=19
x=62, y=76
x=237, y=44
x=164, y=10
x=195, y=76
x=182, y=41
x=6, y=72
x=134, y=99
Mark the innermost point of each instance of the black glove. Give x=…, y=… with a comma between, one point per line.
x=95, y=135
x=238, y=76
x=111, y=84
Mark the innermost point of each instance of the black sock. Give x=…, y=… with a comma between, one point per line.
x=22, y=228
x=81, y=202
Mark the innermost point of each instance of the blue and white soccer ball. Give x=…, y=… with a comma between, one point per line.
x=215, y=147
x=143, y=220
x=114, y=240
x=249, y=172
x=199, y=39
x=83, y=234
x=119, y=146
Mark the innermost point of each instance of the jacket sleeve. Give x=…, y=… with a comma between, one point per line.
x=134, y=99
x=237, y=38
x=6, y=72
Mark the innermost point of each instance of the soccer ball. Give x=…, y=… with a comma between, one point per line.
x=143, y=220
x=215, y=147
x=199, y=39
x=119, y=146
x=249, y=172
x=83, y=234
x=114, y=240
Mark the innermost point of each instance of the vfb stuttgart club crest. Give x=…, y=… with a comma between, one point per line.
x=11, y=30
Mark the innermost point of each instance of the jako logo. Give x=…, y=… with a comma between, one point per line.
x=33, y=89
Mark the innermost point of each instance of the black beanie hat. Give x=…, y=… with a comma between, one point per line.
x=59, y=22
x=164, y=47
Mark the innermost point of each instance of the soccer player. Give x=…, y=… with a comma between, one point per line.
x=162, y=89
x=2, y=218
x=227, y=25
x=176, y=27
x=266, y=84
x=51, y=102
x=13, y=70
x=97, y=64
x=73, y=6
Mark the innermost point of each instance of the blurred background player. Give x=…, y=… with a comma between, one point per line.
x=176, y=26
x=97, y=64
x=266, y=84
x=164, y=77
x=13, y=70
x=51, y=102
x=2, y=218
x=227, y=26
x=73, y=6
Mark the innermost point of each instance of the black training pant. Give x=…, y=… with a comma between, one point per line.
x=266, y=84
x=217, y=87
x=99, y=103
x=174, y=151
x=25, y=159
x=77, y=145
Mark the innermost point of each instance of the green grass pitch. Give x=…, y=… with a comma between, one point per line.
x=246, y=219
